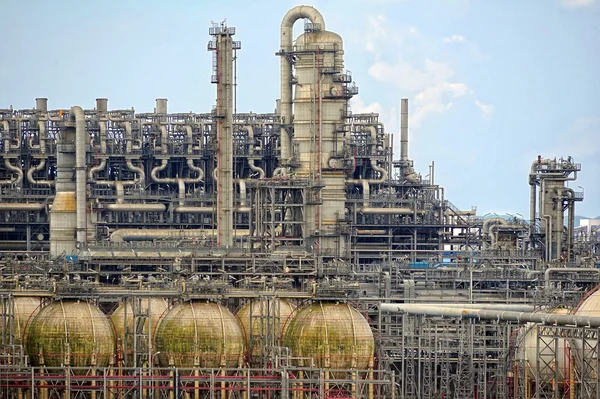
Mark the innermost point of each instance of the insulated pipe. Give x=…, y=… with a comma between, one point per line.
x=287, y=25
x=6, y=135
x=157, y=234
x=77, y=115
x=404, y=130
x=487, y=222
x=208, y=209
x=128, y=138
x=190, y=136
x=492, y=314
x=242, y=184
x=16, y=206
x=95, y=169
x=121, y=207
x=488, y=306
x=163, y=139
x=35, y=169
x=551, y=270
x=103, y=137
x=42, y=136
x=17, y=180
x=254, y=168
x=389, y=211
x=170, y=180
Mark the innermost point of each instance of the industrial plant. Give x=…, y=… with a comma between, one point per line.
x=281, y=255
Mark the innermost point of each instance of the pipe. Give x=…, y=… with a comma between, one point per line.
x=388, y=211
x=493, y=314
x=208, y=209
x=242, y=184
x=158, y=234
x=121, y=207
x=257, y=169
x=6, y=135
x=550, y=270
x=163, y=139
x=487, y=306
x=287, y=25
x=17, y=206
x=102, y=136
x=15, y=180
x=35, y=169
x=96, y=169
x=128, y=138
x=77, y=115
x=487, y=222
x=175, y=180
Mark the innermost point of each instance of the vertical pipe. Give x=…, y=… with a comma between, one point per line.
x=77, y=115
x=404, y=130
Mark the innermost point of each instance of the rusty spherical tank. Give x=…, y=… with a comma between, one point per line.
x=199, y=334
x=334, y=335
x=25, y=308
x=70, y=333
x=123, y=316
x=268, y=317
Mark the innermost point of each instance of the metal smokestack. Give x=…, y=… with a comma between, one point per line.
x=404, y=130
x=102, y=105
x=41, y=104
x=161, y=106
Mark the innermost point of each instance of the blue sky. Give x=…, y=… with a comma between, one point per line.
x=492, y=84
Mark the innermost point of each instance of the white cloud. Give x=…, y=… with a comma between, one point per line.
x=577, y=3
x=486, y=109
x=431, y=86
x=454, y=39
x=375, y=32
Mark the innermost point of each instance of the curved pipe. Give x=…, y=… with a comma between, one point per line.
x=15, y=169
x=175, y=180
x=35, y=169
x=257, y=169
x=487, y=222
x=95, y=169
x=287, y=25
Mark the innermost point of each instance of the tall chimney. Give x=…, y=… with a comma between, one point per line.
x=41, y=104
x=102, y=105
x=161, y=106
x=404, y=130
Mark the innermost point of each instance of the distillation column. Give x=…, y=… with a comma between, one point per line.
x=223, y=47
x=320, y=103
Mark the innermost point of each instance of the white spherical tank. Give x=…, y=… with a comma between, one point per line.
x=543, y=355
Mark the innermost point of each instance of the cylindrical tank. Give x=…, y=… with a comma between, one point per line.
x=123, y=316
x=63, y=223
x=268, y=317
x=25, y=309
x=199, y=334
x=70, y=333
x=589, y=307
x=334, y=335
x=530, y=350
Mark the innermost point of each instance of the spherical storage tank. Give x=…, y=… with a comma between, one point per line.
x=331, y=333
x=123, y=316
x=25, y=308
x=70, y=333
x=267, y=317
x=196, y=334
x=529, y=351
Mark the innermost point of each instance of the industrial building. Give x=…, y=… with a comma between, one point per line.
x=278, y=255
